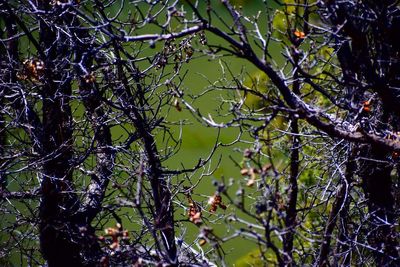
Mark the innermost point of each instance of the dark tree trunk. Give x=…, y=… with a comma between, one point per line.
x=377, y=185
x=59, y=234
x=364, y=56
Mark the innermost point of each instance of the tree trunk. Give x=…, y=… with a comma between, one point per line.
x=377, y=185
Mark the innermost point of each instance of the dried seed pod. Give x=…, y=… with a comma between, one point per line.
x=202, y=242
x=215, y=201
x=177, y=105
x=89, y=78
x=244, y=171
x=250, y=182
x=33, y=69
x=194, y=212
x=116, y=233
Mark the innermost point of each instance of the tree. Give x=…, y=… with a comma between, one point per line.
x=89, y=94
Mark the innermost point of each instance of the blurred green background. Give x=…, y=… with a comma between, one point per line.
x=198, y=140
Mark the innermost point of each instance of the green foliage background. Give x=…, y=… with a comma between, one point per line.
x=198, y=140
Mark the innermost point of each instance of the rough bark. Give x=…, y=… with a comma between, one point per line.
x=377, y=185
x=59, y=234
